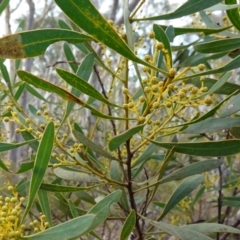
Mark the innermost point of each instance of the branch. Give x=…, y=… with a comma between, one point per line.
x=59, y=62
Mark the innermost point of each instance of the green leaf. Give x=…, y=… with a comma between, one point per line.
x=73, y=175
x=231, y=107
x=9, y=146
x=45, y=206
x=195, y=168
x=102, y=208
x=115, y=142
x=5, y=74
x=212, y=125
x=212, y=149
x=84, y=71
x=40, y=165
x=94, y=147
x=35, y=93
x=34, y=43
x=128, y=226
x=73, y=209
x=60, y=188
x=209, y=113
x=181, y=233
x=222, y=7
x=206, y=31
x=161, y=36
x=184, y=189
x=3, y=5
x=98, y=27
x=145, y=155
x=210, y=227
x=24, y=167
x=189, y=7
x=82, y=86
x=49, y=87
x=3, y=166
x=226, y=89
x=70, y=57
x=233, y=14
x=219, y=83
x=70, y=229
x=117, y=174
x=19, y=91
x=235, y=63
x=221, y=45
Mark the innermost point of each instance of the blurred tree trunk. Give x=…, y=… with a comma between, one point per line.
x=29, y=61
x=15, y=154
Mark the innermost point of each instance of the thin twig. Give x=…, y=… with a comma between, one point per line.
x=130, y=189
x=59, y=62
x=220, y=195
x=109, y=109
x=145, y=204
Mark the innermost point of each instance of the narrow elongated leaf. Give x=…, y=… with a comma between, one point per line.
x=34, y=43
x=183, y=190
x=189, y=7
x=45, y=206
x=98, y=27
x=77, y=176
x=211, y=112
x=161, y=36
x=180, y=233
x=233, y=14
x=206, y=31
x=24, y=167
x=195, y=168
x=47, y=86
x=102, y=208
x=84, y=71
x=221, y=45
x=70, y=57
x=94, y=147
x=3, y=166
x=83, y=86
x=226, y=89
x=70, y=229
x=146, y=154
x=213, y=149
x=211, y=227
x=115, y=142
x=235, y=63
x=73, y=209
x=34, y=92
x=128, y=226
x=117, y=174
x=60, y=188
x=3, y=5
x=222, y=7
x=231, y=107
x=40, y=165
x=9, y=146
x=212, y=125
x=224, y=78
x=5, y=74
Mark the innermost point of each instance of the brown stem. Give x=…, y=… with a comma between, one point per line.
x=109, y=110
x=130, y=190
x=220, y=195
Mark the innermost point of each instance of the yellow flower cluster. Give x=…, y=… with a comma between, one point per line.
x=10, y=216
x=164, y=99
x=10, y=211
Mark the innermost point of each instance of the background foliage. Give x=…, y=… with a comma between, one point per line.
x=124, y=134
